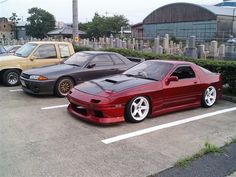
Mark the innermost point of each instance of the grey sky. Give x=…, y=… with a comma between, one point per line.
x=134, y=10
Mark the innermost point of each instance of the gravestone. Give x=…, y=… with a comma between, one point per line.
x=214, y=49
x=201, y=51
x=191, y=50
x=222, y=51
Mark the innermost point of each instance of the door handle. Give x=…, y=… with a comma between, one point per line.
x=195, y=82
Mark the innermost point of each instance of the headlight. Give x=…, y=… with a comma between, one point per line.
x=36, y=77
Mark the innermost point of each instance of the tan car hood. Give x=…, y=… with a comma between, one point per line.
x=9, y=58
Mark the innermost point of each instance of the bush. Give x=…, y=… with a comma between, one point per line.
x=82, y=48
x=226, y=68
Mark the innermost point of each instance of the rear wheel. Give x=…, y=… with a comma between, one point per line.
x=11, y=77
x=63, y=86
x=137, y=109
x=209, y=97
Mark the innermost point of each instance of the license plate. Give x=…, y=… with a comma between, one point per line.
x=23, y=83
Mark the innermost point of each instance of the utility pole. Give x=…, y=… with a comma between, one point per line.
x=75, y=22
x=233, y=21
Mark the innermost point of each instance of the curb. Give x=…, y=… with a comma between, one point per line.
x=229, y=98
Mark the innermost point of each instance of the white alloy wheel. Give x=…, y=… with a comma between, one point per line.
x=139, y=108
x=210, y=96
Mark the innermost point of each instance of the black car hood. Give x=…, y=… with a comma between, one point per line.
x=114, y=83
x=52, y=70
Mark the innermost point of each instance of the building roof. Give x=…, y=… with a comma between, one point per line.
x=21, y=23
x=137, y=25
x=187, y=12
x=63, y=31
x=219, y=10
x=227, y=4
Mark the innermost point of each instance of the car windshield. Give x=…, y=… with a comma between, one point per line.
x=26, y=50
x=2, y=50
x=154, y=70
x=78, y=59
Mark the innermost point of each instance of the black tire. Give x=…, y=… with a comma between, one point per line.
x=11, y=77
x=63, y=86
x=209, y=97
x=133, y=110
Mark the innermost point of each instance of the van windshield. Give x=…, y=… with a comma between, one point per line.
x=26, y=50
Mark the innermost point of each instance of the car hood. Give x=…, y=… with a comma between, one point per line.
x=57, y=69
x=7, y=57
x=111, y=84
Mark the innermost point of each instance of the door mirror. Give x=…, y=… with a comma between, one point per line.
x=172, y=79
x=91, y=65
x=32, y=58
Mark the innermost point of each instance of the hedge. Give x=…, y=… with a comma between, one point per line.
x=80, y=48
x=226, y=68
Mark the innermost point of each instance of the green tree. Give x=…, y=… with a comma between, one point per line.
x=104, y=26
x=40, y=23
x=14, y=19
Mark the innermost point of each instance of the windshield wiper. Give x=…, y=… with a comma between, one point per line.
x=149, y=78
x=141, y=76
x=130, y=75
x=72, y=64
x=18, y=54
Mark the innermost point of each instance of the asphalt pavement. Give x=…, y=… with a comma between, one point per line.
x=210, y=165
x=38, y=138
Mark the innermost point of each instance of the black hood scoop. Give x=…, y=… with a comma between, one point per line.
x=114, y=83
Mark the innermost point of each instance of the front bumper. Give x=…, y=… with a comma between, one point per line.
x=99, y=113
x=37, y=87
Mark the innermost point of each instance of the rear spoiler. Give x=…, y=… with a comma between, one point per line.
x=136, y=59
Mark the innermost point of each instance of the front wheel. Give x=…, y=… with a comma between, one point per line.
x=11, y=77
x=63, y=86
x=137, y=109
x=209, y=97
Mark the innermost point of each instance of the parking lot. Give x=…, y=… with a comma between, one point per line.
x=39, y=138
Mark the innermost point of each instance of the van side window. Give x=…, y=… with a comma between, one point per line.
x=64, y=50
x=46, y=51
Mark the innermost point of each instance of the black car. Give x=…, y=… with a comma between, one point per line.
x=82, y=66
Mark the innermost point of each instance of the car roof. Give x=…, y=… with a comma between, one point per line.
x=48, y=42
x=172, y=62
x=98, y=52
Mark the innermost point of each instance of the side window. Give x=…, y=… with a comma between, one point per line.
x=46, y=51
x=64, y=50
x=116, y=60
x=102, y=60
x=184, y=72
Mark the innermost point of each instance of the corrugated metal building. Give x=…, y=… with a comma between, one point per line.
x=181, y=20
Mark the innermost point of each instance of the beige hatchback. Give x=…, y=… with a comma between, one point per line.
x=32, y=55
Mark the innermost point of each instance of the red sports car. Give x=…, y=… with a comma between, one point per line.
x=151, y=88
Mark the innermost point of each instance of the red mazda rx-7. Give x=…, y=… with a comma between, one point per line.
x=150, y=88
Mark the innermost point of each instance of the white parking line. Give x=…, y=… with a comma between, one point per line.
x=164, y=126
x=55, y=107
x=16, y=90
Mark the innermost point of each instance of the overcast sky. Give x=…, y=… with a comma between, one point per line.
x=134, y=10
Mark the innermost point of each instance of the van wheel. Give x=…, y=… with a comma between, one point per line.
x=11, y=77
x=63, y=86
